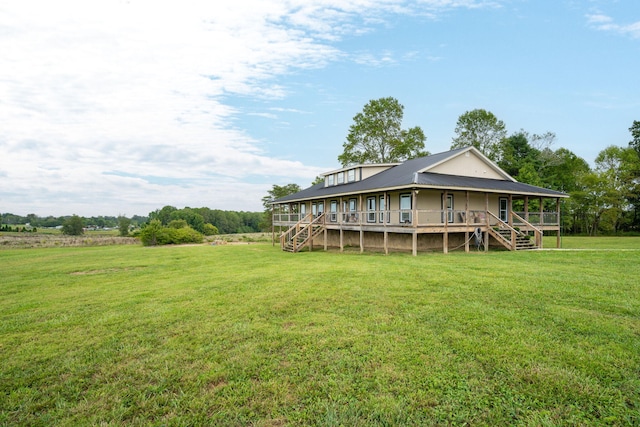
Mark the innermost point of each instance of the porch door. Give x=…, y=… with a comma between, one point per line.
x=504, y=209
x=333, y=209
x=447, y=205
x=371, y=209
x=383, y=207
x=353, y=210
x=320, y=208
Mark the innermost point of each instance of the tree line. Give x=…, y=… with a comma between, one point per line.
x=604, y=199
x=52, y=222
x=202, y=220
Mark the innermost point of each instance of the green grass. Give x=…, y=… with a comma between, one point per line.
x=248, y=335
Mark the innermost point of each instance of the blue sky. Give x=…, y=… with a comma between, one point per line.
x=122, y=107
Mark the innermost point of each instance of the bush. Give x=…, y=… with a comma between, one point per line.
x=178, y=223
x=155, y=234
x=123, y=225
x=73, y=226
x=210, y=230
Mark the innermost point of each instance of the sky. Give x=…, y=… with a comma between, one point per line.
x=122, y=107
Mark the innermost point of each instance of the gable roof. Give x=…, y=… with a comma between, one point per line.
x=448, y=156
x=415, y=173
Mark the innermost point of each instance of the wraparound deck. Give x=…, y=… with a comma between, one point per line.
x=511, y=232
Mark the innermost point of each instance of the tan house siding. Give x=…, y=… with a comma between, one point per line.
x=467, y=164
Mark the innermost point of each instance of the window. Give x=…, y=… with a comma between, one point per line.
x=340, y=177
x=333, y=209
x=371, y=209
x=320, y=208
x=504, y=209
x=351, y=175
x=303, y=210
x=405, y=208
x=330, y=179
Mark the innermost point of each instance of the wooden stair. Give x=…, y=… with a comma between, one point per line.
x=302, y=233
x=523, y=241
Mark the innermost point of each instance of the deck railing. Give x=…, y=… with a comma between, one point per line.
x=420, y=218
x=540, y=218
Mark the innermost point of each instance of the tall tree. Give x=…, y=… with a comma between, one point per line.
x=191, y=216
x=618, y=166
x=376, y=135
x=635, y=135
x=481, y=129
x=562, y=169
x=123, y=225
x=276, y=192
x=163, y=215
x=635, y=198
x=516, y=152
x=73, y=226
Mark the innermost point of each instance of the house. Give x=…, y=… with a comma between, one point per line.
x=447, y=201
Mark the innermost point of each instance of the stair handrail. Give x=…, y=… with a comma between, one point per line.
x=512, y=242
x=536, y=231
x=292, y=234
x=315, y=221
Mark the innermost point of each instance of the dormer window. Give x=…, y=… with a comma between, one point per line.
x=340, y=177
x=330, y=180
x=351, y=175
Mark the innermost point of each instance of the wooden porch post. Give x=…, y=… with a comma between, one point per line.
x=486, y=214
x=342, y=215
x=541, y=212
x=360, y=216
x=526, y=208
x=324, y=231
x=384, y=223
x=445, y=212
x=558, y=221
x=414, y=218
x=466, y=220
x=510, y=221
x=414, y=242
x=541, y=219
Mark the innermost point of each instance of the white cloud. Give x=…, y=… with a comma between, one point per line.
x=606, y=23
x=95, y=96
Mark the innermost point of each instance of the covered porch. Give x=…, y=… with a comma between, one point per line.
x=513, y=221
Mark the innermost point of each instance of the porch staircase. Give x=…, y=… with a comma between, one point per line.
x=514, y=239
x=302, y=233
x=523, y=242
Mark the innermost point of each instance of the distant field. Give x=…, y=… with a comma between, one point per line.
x=47, y=238
x=53, y=238
x=239, y=335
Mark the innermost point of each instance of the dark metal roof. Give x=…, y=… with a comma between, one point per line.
x=406, y=176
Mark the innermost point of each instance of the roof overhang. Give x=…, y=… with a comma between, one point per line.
x=520, y=193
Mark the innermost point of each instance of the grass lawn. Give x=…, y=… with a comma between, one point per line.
x=248, y=335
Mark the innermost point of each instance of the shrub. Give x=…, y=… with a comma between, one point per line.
x=210, y=230
x=73, y=226
x=178, y=223
x=155, y=234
